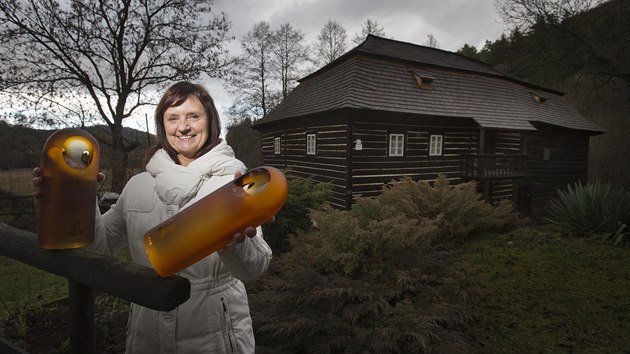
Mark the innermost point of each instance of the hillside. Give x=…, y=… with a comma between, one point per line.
x=22, y=146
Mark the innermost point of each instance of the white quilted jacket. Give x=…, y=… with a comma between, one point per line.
x=216, y=317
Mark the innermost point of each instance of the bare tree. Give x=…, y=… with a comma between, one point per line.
x=331, y=42
x=251, y=78
x=369, y=27
x=290, y=55
x=431, y=41
x=110, y=53
x=524, y=14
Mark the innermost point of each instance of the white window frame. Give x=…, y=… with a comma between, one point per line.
x=436, y=143
x=311, y=144
x=396, y=145
x=276, y=145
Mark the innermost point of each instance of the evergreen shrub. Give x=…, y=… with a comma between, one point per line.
x=458, y=210
x=304, y=195
x=374, y=278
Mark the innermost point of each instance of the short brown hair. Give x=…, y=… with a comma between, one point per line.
x=175, y=96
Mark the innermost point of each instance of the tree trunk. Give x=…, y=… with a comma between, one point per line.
x=118, y=159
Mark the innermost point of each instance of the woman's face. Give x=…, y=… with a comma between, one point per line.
x=186, y=129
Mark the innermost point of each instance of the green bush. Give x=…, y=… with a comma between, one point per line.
x=304, y=195
x=374, y=278
x=592, y=209
x=458, y=210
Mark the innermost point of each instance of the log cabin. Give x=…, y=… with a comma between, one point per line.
x=387, y=109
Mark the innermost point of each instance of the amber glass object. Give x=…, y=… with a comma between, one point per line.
x=69, y=167
x=210, y=223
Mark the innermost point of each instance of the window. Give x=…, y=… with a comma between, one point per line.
x=435, y=145
x=396, y=144
x=276, y=146
x=310, y=144
x=546, y=154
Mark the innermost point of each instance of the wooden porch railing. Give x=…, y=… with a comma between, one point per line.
x=487, y=166
x=87, y=271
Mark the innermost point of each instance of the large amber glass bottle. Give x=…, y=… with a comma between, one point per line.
x=69, y=167
x=210, y=223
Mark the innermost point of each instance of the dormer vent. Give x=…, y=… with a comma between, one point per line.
x=538, y=98
x=423, y=80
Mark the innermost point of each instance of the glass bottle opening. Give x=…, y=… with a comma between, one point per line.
x=77, y=152
x=254, y=180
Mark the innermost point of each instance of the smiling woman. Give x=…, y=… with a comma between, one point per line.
x=188, y=162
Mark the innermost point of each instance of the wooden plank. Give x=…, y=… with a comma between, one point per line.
x=129, y=281
x=8, y=348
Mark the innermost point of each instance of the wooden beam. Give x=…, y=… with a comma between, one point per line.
x=128, y=281
x=8, y=348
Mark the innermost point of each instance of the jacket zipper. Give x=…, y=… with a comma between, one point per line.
x=228, y=324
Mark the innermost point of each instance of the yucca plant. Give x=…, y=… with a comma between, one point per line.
x=592, y=209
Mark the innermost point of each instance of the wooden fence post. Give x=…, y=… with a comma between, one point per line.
x=82, y=329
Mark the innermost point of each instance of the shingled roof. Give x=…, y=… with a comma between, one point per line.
x=380, y=74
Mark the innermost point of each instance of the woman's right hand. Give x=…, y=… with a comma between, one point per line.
x=38, y=180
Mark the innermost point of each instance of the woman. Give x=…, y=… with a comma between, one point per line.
x=189, y=161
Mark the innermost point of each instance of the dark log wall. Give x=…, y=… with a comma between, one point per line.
x=329, y=164
x=372, y=167
x=567, y=163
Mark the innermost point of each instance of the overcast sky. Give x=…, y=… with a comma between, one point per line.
x=452, y=22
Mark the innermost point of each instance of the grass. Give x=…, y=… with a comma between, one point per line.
x=17, y=181
x=543, y=292
x=24, y=285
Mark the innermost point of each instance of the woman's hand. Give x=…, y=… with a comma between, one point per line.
x=37, y=182
x=240, y=238
x=38, y=179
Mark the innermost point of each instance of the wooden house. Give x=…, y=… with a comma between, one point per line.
x=388, y=109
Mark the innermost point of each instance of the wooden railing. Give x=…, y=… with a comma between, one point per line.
x=86, y=272
x=476, y=166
